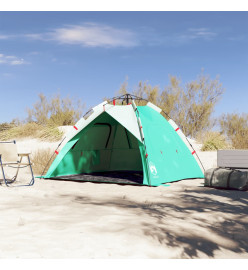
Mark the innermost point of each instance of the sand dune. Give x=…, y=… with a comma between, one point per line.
x=59, y=219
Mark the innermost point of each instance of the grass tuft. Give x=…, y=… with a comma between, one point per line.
x=33, y=130
x=41, y=159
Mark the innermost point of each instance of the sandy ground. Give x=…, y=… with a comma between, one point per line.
x=59, y=219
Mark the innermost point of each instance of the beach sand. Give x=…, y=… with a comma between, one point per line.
x=62, y=219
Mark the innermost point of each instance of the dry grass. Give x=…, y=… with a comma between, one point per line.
x=5, y=126
x=212, y=141
x=240, y=140
x=49, y=133
x=33, y=130
x=42, y=158
x=235, y=126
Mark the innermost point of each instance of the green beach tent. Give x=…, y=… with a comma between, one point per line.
x=126, y=144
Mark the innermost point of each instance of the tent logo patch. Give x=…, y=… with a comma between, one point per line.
x=153, y=168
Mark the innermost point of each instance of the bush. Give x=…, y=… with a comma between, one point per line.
x=55, y=111
x=235, y=127
x=212, y=141
x=44, y=119
x=42, y=160
x=240, y=140
x=190, y=105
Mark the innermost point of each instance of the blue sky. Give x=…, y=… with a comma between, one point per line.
x=88, y=55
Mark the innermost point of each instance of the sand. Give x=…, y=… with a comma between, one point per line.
x=62, y=219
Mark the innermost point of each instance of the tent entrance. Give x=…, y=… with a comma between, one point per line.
x=117, y=177
x=105, y=151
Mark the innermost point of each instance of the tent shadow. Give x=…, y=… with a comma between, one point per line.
x=230, y=233
x=195, y=222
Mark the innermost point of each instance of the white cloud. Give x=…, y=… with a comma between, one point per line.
x=36, y=36
x=34, y=53
x=3, y=37
x=11, y=60
x=166, y=38
x=90, y=35
x=102, y=35
x=7, y=75
x=187, y=37
x=199, y=33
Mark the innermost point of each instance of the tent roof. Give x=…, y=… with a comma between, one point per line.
x=125, y=115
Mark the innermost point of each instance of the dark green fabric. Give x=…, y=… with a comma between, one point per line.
x=104, y=145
